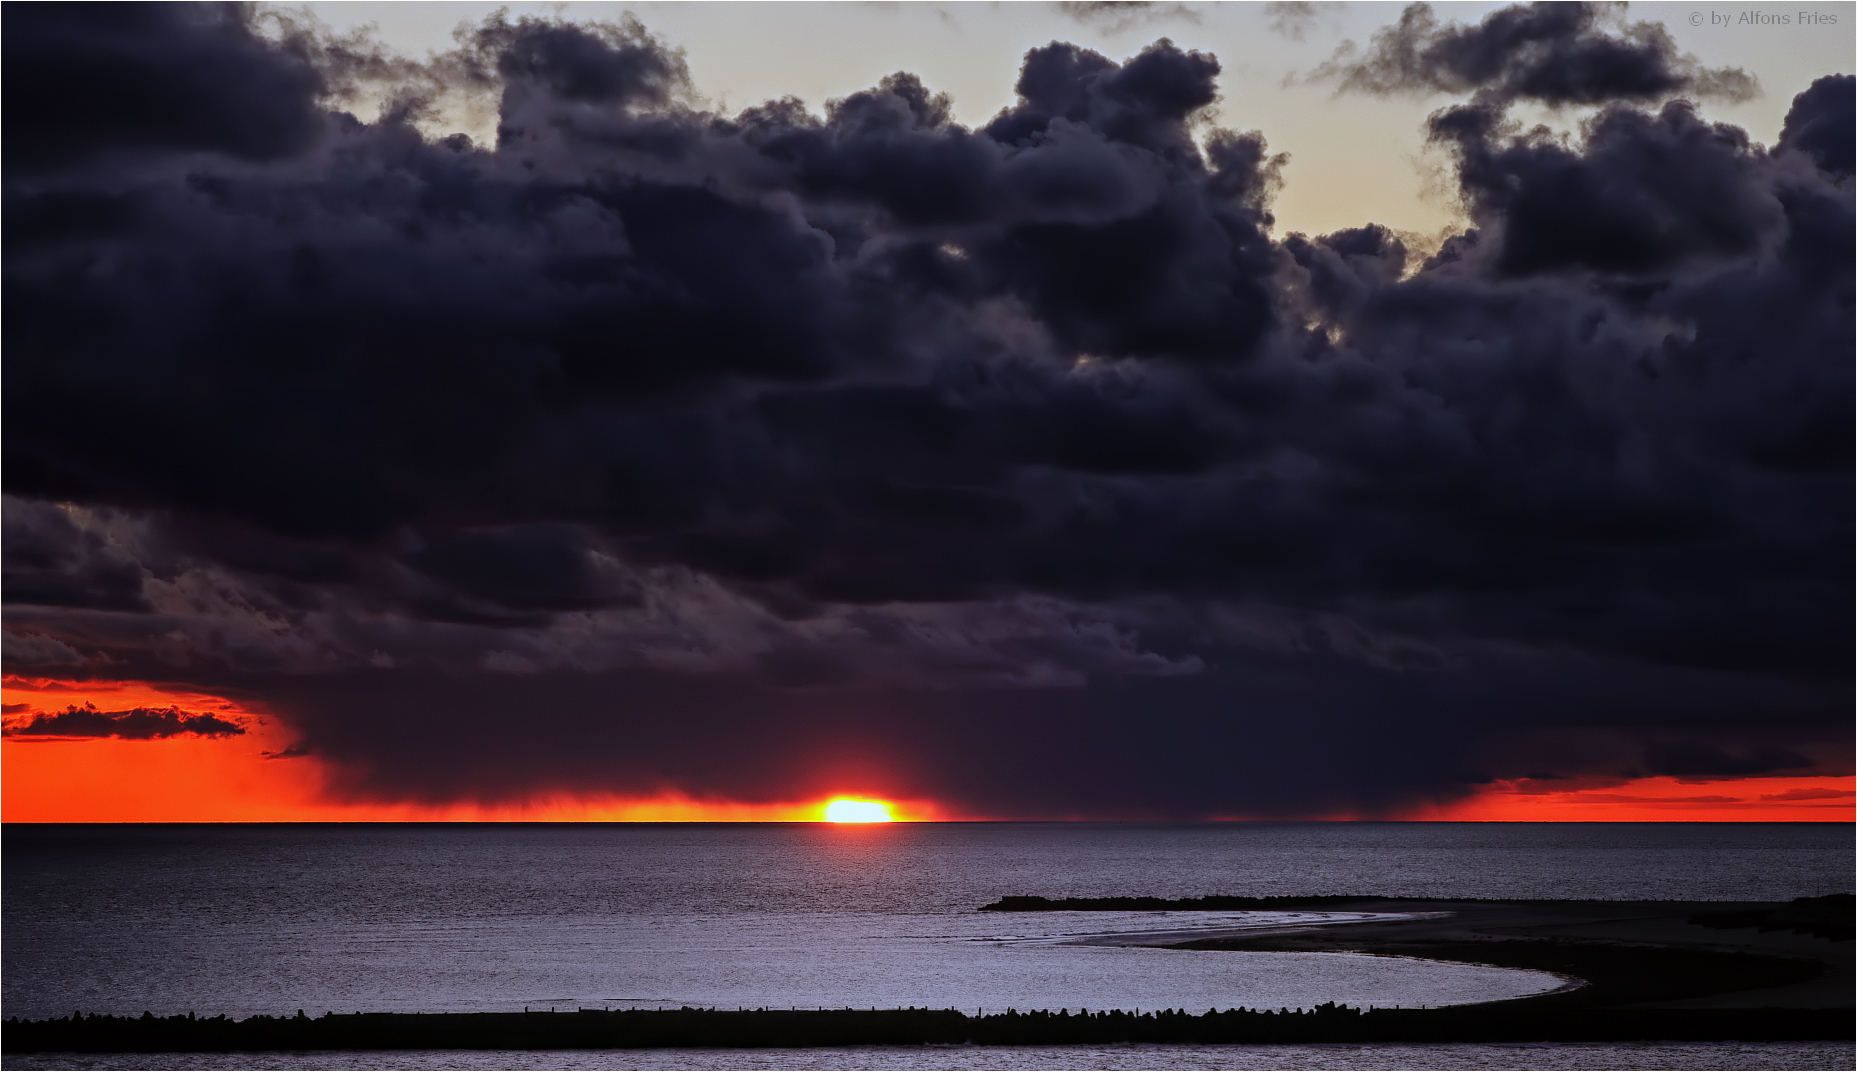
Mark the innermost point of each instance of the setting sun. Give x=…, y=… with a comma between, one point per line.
x=857, y=811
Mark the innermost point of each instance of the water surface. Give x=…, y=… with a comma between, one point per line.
x=244, y=919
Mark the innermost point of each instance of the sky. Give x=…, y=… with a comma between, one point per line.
x=1030, y=411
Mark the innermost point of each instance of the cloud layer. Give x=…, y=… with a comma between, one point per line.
x=1019, y=466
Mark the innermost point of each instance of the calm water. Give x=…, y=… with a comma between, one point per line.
x=270, y=919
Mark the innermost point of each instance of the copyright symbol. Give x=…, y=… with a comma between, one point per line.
x=1695, y=18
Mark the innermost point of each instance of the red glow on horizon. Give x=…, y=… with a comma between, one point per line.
x=189, y=779
x=232, y=779
x=1791, y=799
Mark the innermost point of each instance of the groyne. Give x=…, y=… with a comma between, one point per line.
x=690, y=1027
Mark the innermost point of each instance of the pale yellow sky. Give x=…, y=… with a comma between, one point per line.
x=1353, y=159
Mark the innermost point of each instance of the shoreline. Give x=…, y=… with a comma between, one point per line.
x=1651, y=970
x=1647, y=954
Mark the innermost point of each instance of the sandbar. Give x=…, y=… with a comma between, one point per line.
x=1629, y=954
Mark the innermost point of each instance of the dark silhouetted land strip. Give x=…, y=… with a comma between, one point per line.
x=599, y=1029
x=1821, y=917
x=1214, y=903
x=1825, y=917
x=1626, y=955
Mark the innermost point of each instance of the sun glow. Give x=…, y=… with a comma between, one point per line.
x=266, y=774
x=857, y=811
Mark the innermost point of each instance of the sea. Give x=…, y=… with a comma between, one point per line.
x=244, y=919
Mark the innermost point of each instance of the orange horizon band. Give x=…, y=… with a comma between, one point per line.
x=254, y=777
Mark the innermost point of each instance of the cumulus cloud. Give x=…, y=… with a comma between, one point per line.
x=136, y=724
x=860, y=433
x=1552, y=53
x=1819, y=124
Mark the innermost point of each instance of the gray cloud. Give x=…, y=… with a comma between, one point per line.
x=1114, y=16
x=1292, y=19
x=1553, y=53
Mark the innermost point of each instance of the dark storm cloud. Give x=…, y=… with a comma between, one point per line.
x=50, y=561
x=1819, y=124
x=24, y=649
x=665, y=447
x=137, y=724
x=1689, y=759
x=1257, y=735
x=1554, y=53
x=1644, y=194
x=112, y=81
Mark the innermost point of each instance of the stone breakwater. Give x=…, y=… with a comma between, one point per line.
x=689, y=1027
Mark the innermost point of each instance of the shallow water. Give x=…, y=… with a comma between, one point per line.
x=778, y=959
